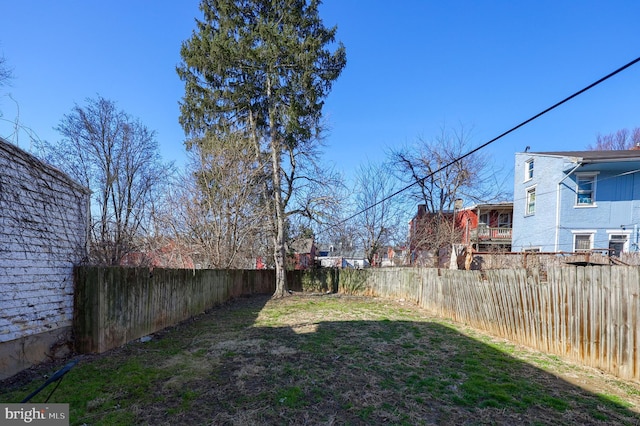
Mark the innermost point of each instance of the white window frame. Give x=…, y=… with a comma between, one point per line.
x=594, y=179
x=528, y=169
x=626, y=233
x=583, y=232
x=481, y=222
x=528, y=191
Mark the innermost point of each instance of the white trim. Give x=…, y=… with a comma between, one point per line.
x=527, y=178
x=627, y=241
x=594, y=183
x=526, y=200
x=590, y=232
x=619, y=231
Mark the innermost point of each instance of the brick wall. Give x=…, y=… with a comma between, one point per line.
x=43, y=234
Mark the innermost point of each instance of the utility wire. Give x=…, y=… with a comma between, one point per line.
x=484, y=145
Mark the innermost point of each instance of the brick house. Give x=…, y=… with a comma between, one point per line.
x=486, y=227
x=302, y=253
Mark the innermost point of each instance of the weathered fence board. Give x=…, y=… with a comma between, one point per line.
x=585, y=314
x=113, y=306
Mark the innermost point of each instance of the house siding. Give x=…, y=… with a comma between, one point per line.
x=553, y=226
x=616, y=209
x=536, y=230
x=43, y=234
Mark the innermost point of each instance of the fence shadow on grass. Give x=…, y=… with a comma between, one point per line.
x=396, y=372
x=323, y=371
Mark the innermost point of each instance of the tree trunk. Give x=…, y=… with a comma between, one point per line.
x=279, y=243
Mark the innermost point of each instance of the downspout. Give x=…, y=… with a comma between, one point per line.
x=557, y=239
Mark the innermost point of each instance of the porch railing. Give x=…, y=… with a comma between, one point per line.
x=487, y=233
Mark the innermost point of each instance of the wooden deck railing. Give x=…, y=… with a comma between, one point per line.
x=487, y=233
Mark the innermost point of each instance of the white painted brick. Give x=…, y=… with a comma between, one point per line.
x=42, y=236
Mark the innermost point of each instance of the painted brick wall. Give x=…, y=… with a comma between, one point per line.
x=538, y=229
x=43, y=234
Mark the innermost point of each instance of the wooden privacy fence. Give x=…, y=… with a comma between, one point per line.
x=586, y=314
x=114, y=305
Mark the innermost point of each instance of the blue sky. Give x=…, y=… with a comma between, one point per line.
x=413, y=67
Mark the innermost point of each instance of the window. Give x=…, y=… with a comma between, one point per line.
x=582, y=242
x=586, y=190
x=528, y=170
x=618, y=243
x=531, y=201
x=504, y=220
x=483, y=219
x=532, y=250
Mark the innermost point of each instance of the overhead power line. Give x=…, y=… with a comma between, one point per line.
x=484, y=145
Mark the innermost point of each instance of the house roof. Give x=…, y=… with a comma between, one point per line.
x=595, y=156
x=301, y=245
x=490, y=206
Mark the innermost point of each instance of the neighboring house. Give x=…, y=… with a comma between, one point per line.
x=392, y=256
x=355, y=260
x=430, y=237
x=328, y=256
x=333, y=257
x=487, y=227
x=43, y=235
x=302, y=253
x=576, y=201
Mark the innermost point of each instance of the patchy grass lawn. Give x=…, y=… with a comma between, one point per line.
x=330, y=360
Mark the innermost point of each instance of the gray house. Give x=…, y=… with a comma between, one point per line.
x=575, y=201
x=43, y=235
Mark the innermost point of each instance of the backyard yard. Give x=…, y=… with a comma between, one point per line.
x=326, y=360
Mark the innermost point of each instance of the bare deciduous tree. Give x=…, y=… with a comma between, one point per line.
x=622, y=139
x=439, y=177
x=5, y=72
x=218, y=209
x=431, y=236
x=117, y=157
x=381, y=218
